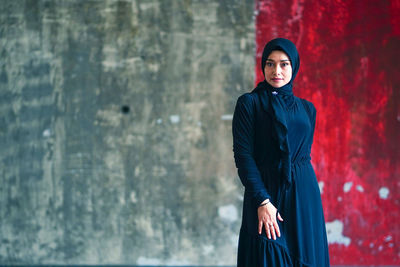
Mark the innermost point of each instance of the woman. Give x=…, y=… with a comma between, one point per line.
x=283, y=222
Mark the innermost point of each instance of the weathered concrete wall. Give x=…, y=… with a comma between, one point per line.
x=115, y=140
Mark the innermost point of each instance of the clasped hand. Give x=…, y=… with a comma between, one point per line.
x=267, y=215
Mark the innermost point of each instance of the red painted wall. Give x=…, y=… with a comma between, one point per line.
x=350, y=70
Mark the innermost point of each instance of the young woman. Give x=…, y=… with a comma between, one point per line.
x=283, y=222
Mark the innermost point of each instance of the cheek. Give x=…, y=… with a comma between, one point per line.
x=267, y=72
x=289, y=74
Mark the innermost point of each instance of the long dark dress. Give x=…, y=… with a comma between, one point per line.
x=303, y=240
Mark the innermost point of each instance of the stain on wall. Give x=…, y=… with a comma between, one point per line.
x=349, y=54
x=115, y=130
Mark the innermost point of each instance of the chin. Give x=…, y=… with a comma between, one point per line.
x=276, y=85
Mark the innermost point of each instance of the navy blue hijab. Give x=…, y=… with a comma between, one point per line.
x=281, y=99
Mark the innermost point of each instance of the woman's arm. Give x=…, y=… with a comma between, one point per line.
x=243, y=148
x=243, y=127
x=312, y=114
x=313, y=120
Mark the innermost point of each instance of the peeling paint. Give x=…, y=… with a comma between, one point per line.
x=133, y=197
x=174, y=118
x=321, y=186
x=334, y=232
x=228, y=213
x=227, y=117
x=47, y=133
x=111, y=117
x=235, y=240
x=176, y=262
x=384, y=192
x=207, y=249
x=347, y=186
x=388, y=238
x=360, y=188
x=148, y=261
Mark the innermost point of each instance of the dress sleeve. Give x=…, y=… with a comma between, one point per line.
x=312, y=120
x=312, y=114
x=243, y=148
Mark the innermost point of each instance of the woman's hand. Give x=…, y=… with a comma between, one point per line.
x=267, y=217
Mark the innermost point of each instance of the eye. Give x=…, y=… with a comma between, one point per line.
x=285, y=64
x=269, y=64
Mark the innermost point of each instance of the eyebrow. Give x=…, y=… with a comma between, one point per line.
x=268, y=59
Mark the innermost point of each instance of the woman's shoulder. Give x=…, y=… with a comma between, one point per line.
x=248, y=98
x=309, y=106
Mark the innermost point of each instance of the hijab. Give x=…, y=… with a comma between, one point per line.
x=280, y=99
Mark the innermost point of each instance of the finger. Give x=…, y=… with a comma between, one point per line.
x=260, y=224
x=272, y=231
x=279, y=217
x=276, y=226
x=267, y=231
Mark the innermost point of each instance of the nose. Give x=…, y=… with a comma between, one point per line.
x=277, y=69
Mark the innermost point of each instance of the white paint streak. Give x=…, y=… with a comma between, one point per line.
x=339, y=199
x=147, y=261
x=159, y=171
x=321, y=186
x=235, y=240
x=360, y=188
x=384, y=192
x=174, y=118
x=207, y=249
x=347, y=186
x=109, y=117
x=110, y=64
x=228, y=213
x=388, y=238
x=138, y=171
x=122, y=199
x=133, y=197
x=159, y=121
x=47, y=133
x=175, y=262
x=334, y=232
x=242, y=43
x=227, y=117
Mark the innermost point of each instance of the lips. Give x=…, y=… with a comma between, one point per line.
x=277, y=79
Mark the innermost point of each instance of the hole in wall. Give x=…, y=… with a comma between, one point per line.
x=125, y=109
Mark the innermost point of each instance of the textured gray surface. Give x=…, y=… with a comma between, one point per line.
x=83, y=182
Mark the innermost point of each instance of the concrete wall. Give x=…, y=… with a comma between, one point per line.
x=115, y=116
x=115, y=142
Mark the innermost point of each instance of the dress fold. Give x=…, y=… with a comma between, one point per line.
x=258, y=251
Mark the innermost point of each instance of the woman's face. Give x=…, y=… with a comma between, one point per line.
x=278, y=69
